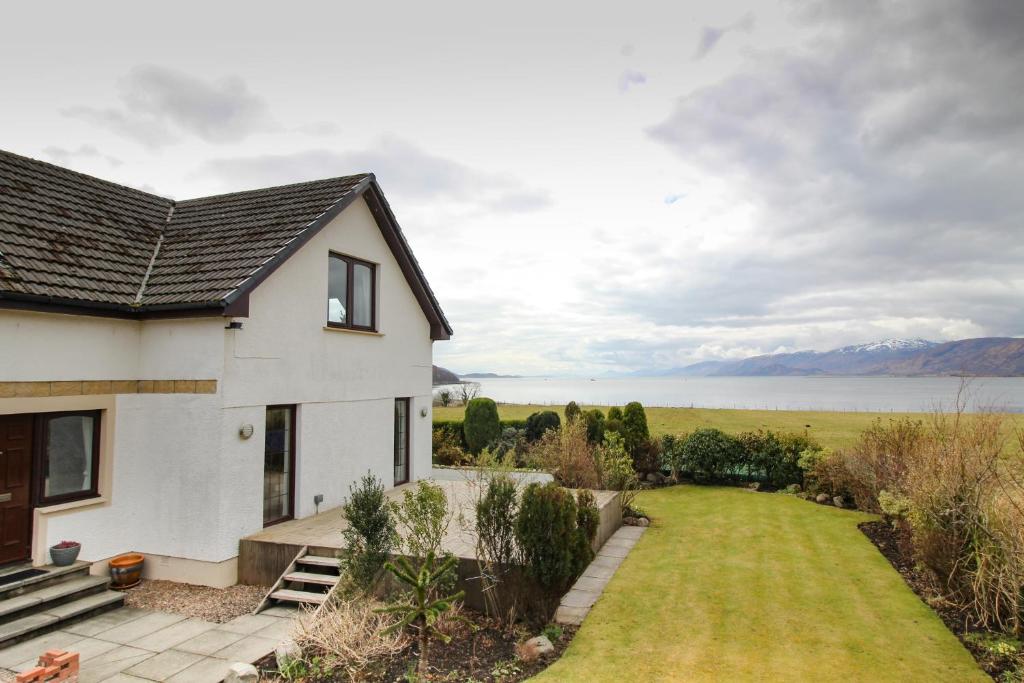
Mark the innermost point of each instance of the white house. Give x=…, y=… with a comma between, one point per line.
x=175, y=375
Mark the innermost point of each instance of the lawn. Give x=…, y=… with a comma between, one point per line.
x=731, y=585
x=832, y=429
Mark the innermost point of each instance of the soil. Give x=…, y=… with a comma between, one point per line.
x=482, y=651
x=213, y=604
x=895, y=544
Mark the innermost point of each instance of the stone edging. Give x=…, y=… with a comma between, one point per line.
x=584, y=593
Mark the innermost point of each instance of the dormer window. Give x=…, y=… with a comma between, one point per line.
x=351, y=293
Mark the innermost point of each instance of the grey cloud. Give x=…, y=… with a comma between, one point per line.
x=158, y=102
x=710, y=35
x=319, y=128
x=64, y=156
x=631, y=78
x=403, y=169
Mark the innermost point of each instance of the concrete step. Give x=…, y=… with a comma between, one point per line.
x=288, y=595
x=57, y=616
x=318, y=561
x=51, y=576
x=308, y=577
x=41, y=599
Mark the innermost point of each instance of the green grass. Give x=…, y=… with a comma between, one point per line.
x=728, y=585
x=832, y=429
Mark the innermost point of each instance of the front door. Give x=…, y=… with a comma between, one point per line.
x=279, y=465
x=401, y=440
x=15, y=488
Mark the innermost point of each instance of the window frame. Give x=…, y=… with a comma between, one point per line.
x=40, y=460
x=293, y=412
x=405, y=446
x=351, y=263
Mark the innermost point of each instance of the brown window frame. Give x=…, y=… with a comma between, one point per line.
x=293, y=410
x=408, y=427
x=352, y=262
x=41, y=463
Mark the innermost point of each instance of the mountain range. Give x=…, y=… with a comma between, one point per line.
x=986, y=356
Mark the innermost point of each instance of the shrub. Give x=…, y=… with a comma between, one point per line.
x=567, y=454
x=447, y=447
x=424, y=517
x=445, y=397
x=616, y=466
x=481, y=425
x=646, y=456
x=512, y=442
x=615, y=413
x=540, y=422
x=572, y=411
x=634, y=426
x=672, y=454
x=588, y=519
x=774, y=458
x=370, y=535
x=879, y=460
x=496, y=521
x=594, y=419
x=711, y=454
x=547, y=533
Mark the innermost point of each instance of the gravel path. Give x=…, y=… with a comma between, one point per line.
x=213, y=604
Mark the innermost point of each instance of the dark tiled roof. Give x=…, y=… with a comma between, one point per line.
x=71, y=238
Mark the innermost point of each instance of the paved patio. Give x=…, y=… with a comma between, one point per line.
x=134, y=645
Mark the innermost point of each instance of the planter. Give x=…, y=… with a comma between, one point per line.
x=126, y=570
x=64, y=557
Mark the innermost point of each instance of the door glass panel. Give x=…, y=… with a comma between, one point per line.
x=362, y=295
x=401, y=440
x=69, y=444
x=277, y=465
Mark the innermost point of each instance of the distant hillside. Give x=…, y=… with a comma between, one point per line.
x=488, y=375
x=444, y=376
x=988, y=356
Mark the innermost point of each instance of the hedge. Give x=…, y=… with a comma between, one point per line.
x=456, y=427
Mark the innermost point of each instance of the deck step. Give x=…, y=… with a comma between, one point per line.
x=318, y=561
x=289, y=595
x=307, y=577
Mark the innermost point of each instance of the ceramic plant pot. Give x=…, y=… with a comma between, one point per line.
x=126, y=570
x=64, y=557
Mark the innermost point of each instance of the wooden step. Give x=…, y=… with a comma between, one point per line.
x=318, y=561
x=308, y=577
x=289, y=595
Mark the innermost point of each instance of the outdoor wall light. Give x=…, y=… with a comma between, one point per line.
x=245, y=431
x=423, y=412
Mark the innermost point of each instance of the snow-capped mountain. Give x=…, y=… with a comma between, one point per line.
x=992, y=356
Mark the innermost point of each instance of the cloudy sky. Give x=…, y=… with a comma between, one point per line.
x=591, y=187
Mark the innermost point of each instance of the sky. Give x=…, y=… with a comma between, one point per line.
x=591, y=188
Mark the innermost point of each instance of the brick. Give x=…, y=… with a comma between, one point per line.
x=184, y=386
x=96, y=387
x=163, y=386
x=55, y=666
x=65, y=388
x=31, y=389
x=129, y=386
x=206, y=386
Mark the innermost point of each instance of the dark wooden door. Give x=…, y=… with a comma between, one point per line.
x=15, y=487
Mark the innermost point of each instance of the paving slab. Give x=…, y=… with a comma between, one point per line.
x=143, y=626
x=206, y=670
x=172, y=635
x=209, y=642
x=248, y=649
x=249, y=623
x=277, y=631
x=576, y=604
x=111, y=663
x=164, y=665
x=281, y=611
x=106, y=621
x=31, y=649
x=87, y=648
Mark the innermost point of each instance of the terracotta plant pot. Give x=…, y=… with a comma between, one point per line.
x=126, y=570
x=64, y=557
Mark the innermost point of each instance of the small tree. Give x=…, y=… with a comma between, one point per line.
x=594, y=419
x=546, y=531
x=613, y=423
x=370, y=535
x=540, y=422
x=496, y=521
x=424, y=517
x=468, y=391
x=422, y=610
x=634, y=426
x=572, y=411
x=617, y=473
x=445, y=397
x=481, y=425
x=568, y=455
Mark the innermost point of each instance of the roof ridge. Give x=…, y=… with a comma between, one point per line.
x=360, y=176
x=65, y=169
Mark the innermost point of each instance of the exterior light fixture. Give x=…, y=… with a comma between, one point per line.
x=245, y=431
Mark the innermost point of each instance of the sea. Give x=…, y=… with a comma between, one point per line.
x=855, y=394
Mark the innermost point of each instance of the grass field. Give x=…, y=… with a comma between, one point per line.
x=728, y=585
x=831, y=429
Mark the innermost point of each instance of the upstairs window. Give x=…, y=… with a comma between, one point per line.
x=351, y=293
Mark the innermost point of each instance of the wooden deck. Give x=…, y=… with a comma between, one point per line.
x=264, y=555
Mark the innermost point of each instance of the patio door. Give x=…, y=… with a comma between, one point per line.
x=15, y=487
x=279, y=465
x=401, y=441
